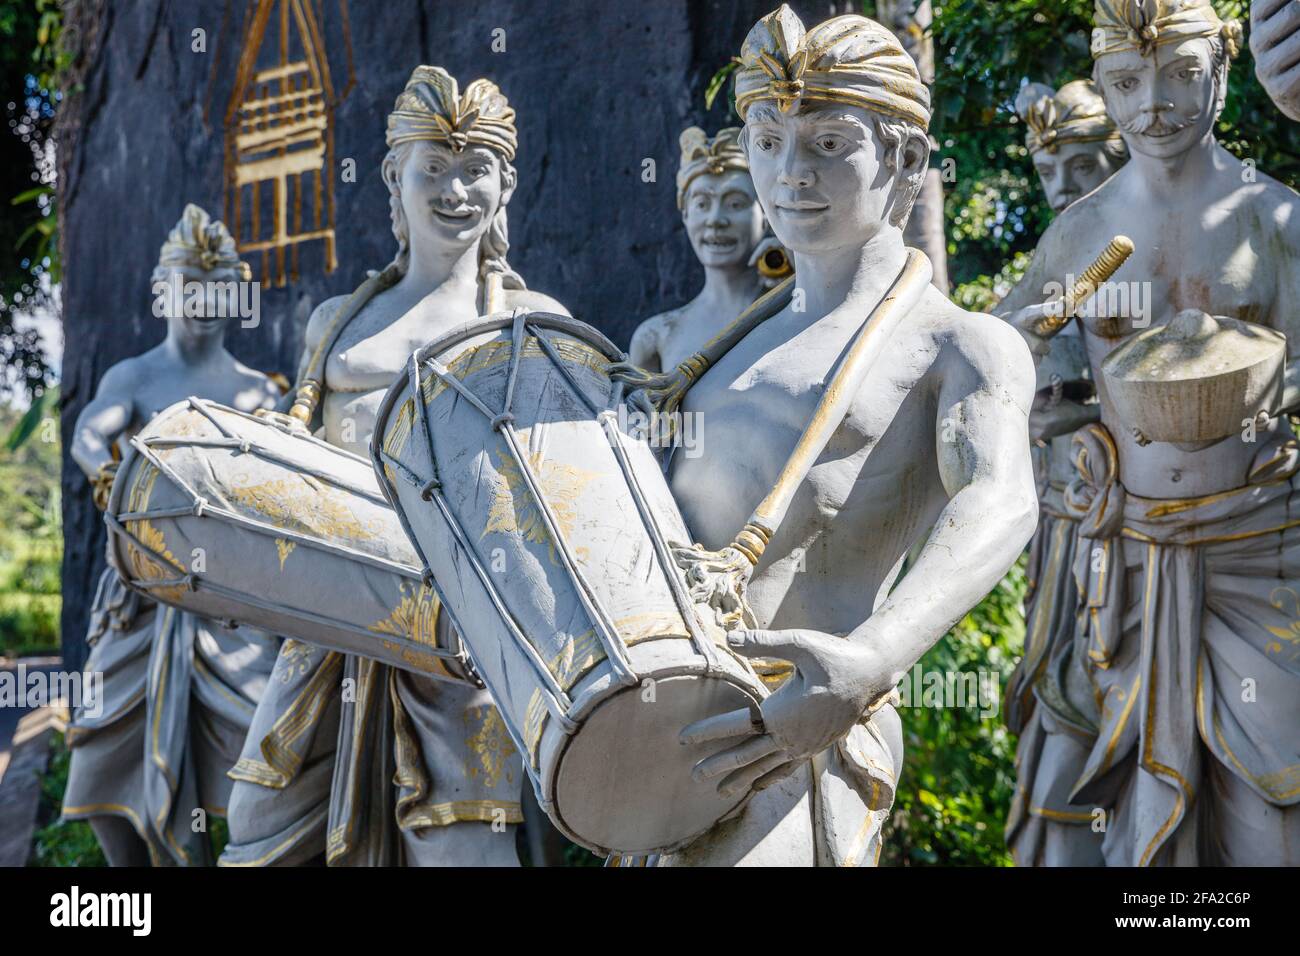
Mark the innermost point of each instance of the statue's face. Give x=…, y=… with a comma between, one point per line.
x=723, y=219
x=450, y=197
x=1074, y=170
x=820, y=174
x=208, y=297
x=1163, y=103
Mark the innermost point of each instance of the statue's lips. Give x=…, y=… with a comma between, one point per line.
x=457, y=216
x=802, y=208
x=720, y=242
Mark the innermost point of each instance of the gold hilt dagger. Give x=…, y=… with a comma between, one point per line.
x=1105, y=266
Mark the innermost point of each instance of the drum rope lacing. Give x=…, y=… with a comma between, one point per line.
x=201, y=507
x=556, y=699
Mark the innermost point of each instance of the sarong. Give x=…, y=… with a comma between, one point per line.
x=1183, y=677
x=179, y=694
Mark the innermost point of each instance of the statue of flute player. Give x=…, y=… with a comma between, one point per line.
x=922, y=426
x=1176, y=708
x=728, y=232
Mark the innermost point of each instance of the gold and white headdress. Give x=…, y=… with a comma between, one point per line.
x=1075, y=113
x=1143, y=25
x=848, y=59
x=431, y=107
x=702, y=155
x=198, y=241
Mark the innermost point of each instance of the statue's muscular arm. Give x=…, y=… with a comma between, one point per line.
x=105, y=417
x=982, y=440
x=982, y=447
x=1284, y=210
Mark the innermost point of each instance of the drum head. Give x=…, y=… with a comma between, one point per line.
x=624, y=782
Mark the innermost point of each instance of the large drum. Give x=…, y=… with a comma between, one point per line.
x=547, y=529
x=250, y=519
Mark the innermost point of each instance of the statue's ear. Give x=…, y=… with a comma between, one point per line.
x=913, y=156
x=509, y=179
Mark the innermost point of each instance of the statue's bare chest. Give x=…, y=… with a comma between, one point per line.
x=1182, y=261
x=750, y=410
x=374, y=347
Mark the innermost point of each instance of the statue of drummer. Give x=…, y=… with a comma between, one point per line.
x=1075, y=147
x=336, y=732
x=163, y=668
x=728, y=232
x=933, y=447
x=1176, y=704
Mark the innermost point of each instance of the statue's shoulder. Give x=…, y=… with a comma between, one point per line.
x=130, y=371
x=1272, y=201
x=533, y=301
x=980, y=343
x=321, y=319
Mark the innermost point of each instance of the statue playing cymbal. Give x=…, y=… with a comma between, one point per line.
x=1174, y=736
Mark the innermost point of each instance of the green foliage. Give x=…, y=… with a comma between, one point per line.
x=31, y=62
x=958, y=774
x=985, y=53
x=59, y=843
x=31, y=531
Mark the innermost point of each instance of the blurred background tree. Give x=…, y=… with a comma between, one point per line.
x=30, y=63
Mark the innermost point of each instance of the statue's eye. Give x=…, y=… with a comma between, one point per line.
x=765, y=143
x=1126, y=85
x=829, y=144
x=478, y=170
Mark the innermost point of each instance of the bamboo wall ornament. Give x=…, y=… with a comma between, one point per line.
x=1112, y=257
x=279, y=135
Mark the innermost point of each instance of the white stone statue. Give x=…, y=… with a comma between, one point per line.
x=1075, y=147
x=1074, y=144
x=1275, y=43
x=728, y=232
x=162, y=668
x=1174, y=730
x=931, y=442
x=334, y=733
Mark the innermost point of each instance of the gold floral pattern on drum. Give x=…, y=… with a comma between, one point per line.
x=513, y=509
x=143, y=565
x=301, y=504
x=576, y=355
x=415, y=617
x=490, y=742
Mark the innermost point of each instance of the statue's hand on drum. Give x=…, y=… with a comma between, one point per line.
x=836, y=681
x=102, y=484
x=652, y=392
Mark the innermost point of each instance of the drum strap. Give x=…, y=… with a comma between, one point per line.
x=838, y=395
